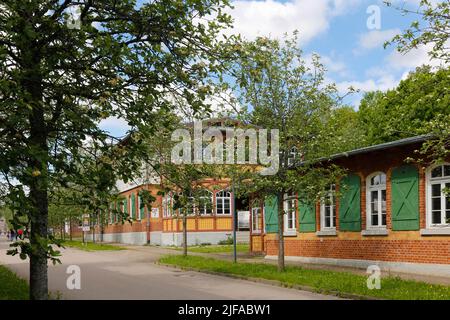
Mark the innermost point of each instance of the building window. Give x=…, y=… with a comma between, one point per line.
x=256, y=217
x=189, y=206
x=438, y=196
x=328, y=210
x=167, y=204
x=223, y=203
x=290, y=210
x=205, y=203
x=376, y=200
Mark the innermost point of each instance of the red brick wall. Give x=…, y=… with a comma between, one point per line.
x=419, y=251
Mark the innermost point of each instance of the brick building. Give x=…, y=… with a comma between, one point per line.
x=390, y=212
x=161, y=225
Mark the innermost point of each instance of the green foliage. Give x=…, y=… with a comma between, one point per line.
x=408, y=110
x=126, y=61
x=221, y=248
x=281, y=91
x=89, y=246
x=229, y=241
x=432, y=30
x=322, y=281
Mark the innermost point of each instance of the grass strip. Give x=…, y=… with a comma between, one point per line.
x=89, y=246
x=215, y=248
x=11, y=286
x=323, y=281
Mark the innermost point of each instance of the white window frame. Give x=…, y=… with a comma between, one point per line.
x=293, y=153
x=220, y=200
x=256, y=211
x=428, y=203
x=290, y=215
x=129, y=206
x=379, y=189
x=331, y=202
x=138, y=211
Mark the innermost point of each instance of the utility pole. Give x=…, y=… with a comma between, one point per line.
x=234, y=224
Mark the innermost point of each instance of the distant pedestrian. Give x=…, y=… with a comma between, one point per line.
x=11, y=235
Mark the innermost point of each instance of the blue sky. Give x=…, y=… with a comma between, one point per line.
x=338, y=31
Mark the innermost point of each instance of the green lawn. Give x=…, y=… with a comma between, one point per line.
x=89, y=246
x=216, y=248
x=11, y=286
x=321, y=280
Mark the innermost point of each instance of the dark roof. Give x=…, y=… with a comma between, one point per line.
x=379, y=147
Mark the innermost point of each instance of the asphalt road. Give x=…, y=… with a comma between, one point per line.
x=132, y=274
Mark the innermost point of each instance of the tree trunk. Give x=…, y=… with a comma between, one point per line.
x=281, y=264
x=39, y=214
x=102, y=227
x=37, y=162
x=184, y=235
x=93, y=229
x=70, y=227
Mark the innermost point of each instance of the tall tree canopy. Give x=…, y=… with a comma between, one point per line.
x=282, y=91
x=59, y=78
x=408, y=110
x=431, y=27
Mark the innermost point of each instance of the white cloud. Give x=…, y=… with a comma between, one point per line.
x=383, y=83
x=268, y=17
x=333, y=64
x=375, y=39
x=412, y=59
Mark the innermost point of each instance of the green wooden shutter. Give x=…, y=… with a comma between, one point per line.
x=125, y=209
x=350, y=204
x=111, y=213
x=133, y=206
x=271, y=214
x=405, y=198
x=141, y=208
x=307, y=217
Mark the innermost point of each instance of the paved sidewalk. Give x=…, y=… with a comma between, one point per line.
x=133, y=274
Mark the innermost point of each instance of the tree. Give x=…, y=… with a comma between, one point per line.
x=283, y=92
x=408, y=110
x=433, y=30
x=60, y=77
x=182, y=183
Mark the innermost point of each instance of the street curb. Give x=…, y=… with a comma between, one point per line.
x=275, y=283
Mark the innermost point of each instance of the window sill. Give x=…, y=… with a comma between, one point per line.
x=292, y=233
x=327, y=233
x=256, y=233
x=445, y=231
x=374, y=232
